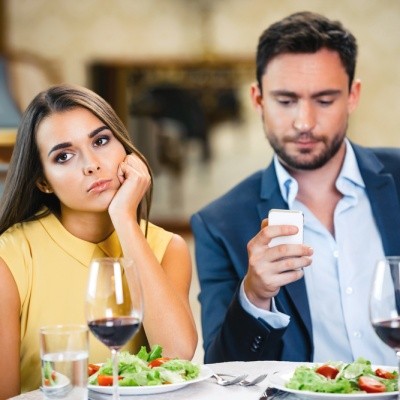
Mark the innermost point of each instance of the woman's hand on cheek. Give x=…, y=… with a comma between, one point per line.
x=135, y=181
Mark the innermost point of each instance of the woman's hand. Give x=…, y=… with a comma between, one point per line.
x=135, y=180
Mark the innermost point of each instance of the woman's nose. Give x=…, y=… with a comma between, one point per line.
x=90, y=169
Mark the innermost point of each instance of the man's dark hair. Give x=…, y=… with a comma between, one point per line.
x=306, y=32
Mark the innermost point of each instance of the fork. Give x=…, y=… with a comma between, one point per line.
x=256, y=380
x=227, y=382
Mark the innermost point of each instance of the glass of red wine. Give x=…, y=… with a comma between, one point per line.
x=114, y=307
x=384, y=304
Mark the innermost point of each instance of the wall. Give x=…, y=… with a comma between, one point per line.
x=73, y=33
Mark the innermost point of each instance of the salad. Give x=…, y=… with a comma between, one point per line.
x=144, y=369
x=339, y=377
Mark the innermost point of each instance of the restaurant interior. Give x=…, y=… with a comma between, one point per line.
x=178, y=73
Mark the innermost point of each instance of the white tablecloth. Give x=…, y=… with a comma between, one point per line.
x=208, y=389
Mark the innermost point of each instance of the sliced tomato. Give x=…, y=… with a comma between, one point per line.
x=329, y=371
x=158, y=361
x=384, y=374
x=370, y=385
x=106, y=380
x=92, y=368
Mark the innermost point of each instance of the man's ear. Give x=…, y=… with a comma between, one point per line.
x=256, y=97
x=354, y=95
x=43, y=186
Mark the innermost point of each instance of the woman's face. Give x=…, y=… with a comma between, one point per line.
x=80, y=158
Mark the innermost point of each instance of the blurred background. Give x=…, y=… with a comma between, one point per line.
x=178, y=74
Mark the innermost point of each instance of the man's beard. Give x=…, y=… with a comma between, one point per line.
x=301, y=163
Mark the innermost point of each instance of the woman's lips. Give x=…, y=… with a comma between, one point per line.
x=99, y=186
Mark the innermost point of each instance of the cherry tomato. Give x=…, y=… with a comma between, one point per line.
x=158, y=361
x=371, y=385
x=384, y=374
x=106, y=380
x=329, y=371
x=48, y=382
x=92, y=368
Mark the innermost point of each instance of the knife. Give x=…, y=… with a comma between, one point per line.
x=272, y=393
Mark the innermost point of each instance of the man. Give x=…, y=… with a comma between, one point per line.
x=301, y=302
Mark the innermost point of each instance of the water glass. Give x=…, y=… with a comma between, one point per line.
x=64, y=351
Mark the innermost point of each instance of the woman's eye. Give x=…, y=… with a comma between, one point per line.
x=63, y=157
x=101, y=141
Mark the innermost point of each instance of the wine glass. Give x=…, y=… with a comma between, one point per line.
x=114, y=309
x=385, y=302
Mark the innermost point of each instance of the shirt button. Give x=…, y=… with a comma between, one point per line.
x=357, y=334
x=349, y=290
x=336, y=254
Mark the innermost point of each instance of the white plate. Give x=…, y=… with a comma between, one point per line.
x=279, y=380
x=205, y=373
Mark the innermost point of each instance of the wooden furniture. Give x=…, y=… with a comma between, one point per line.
x=120, y=82
x=7, y=140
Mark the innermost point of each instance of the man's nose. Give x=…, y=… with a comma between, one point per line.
x=304, y=120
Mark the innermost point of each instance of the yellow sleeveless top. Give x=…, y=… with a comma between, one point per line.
x=49, y=266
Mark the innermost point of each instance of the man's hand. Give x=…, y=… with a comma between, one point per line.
x=270, y=268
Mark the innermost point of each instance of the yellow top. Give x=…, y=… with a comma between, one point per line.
x=49, y=266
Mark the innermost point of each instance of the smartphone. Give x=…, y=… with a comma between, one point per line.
x=286, y=217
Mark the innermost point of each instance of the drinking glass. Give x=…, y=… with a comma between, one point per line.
x=385, y=302
x=64, y=353
x=114, y=309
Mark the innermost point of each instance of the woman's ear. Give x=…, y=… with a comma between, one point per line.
x=43, y=186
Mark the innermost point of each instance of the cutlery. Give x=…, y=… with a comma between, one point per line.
x=245, y=382
x=227, y=382
x=272, y=393
x=256, y=380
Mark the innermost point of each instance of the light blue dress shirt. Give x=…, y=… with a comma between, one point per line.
x=339, y=278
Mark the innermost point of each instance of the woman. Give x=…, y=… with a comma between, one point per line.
x=77, y=189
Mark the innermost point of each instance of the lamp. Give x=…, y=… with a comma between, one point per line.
x=9, y=120
x=9, y=114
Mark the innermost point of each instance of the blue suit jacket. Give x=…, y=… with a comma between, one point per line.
x=222, y=231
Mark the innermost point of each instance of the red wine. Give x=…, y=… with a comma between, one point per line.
x=389, y=332
x=114, y=332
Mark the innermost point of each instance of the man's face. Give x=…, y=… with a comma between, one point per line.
x=305, y=106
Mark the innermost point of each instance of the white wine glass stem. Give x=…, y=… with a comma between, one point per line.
x=114, y=357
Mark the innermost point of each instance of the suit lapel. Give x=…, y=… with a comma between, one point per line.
x=383, y=197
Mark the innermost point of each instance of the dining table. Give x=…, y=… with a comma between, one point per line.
x=208, y=389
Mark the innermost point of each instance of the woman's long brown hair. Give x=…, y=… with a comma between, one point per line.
x=22, y=200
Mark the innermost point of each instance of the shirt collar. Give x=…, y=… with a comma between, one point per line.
x=350, y=173
x=79, y=249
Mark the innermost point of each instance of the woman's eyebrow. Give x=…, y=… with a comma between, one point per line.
x=68, y=144
x=59, y=146
x=97, y=131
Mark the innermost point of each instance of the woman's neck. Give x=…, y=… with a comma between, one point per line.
x=89, y=226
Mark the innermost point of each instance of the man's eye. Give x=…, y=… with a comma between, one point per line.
x=63, y=157
x=285, y=101
x=325, y=102
x=101, y=141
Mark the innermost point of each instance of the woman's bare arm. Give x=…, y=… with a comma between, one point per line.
x=9, y=334
x=168, y=320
